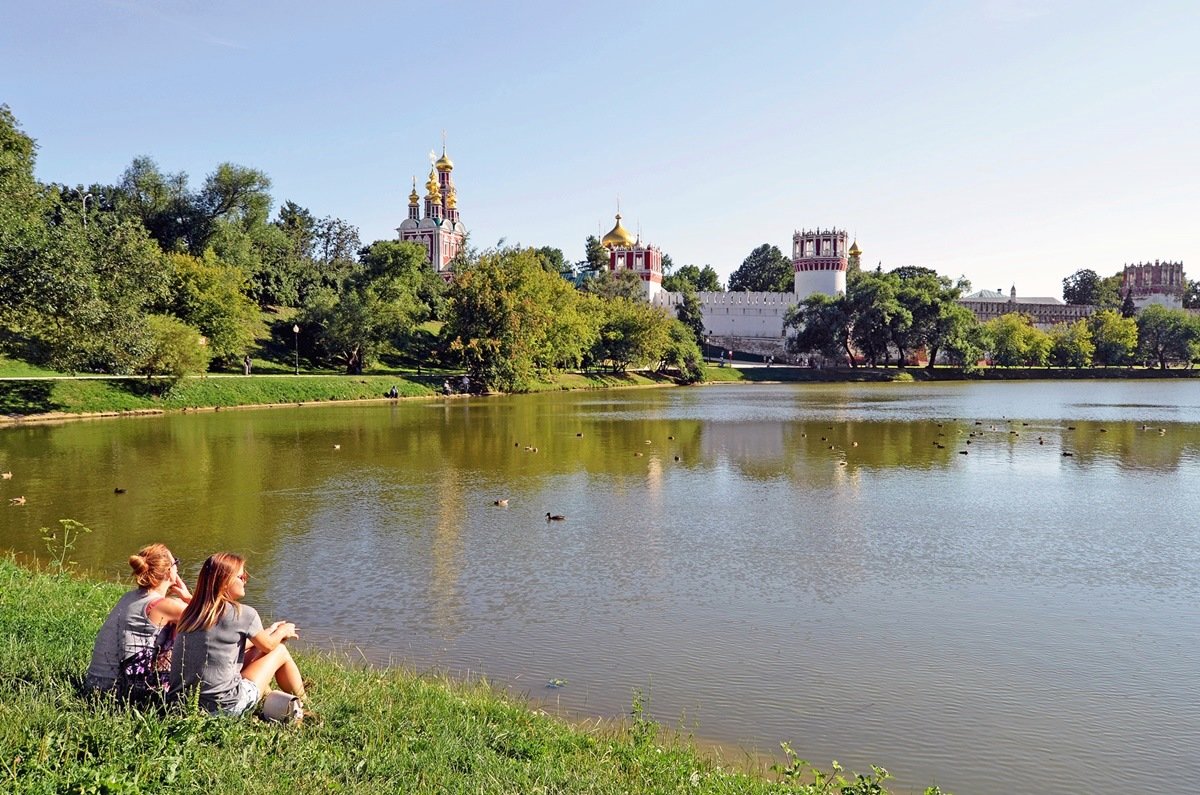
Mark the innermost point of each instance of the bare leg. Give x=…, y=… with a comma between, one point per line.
x=278, y=664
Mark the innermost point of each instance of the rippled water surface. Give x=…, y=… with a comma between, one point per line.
x=814, y=564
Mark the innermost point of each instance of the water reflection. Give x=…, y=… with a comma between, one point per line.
x=817, y=564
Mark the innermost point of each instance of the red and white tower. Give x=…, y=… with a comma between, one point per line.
x=440, y=231
x=625, y=252
x=820, y=260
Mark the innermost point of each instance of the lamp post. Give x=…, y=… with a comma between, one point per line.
x=296, y=331
x=84, y=202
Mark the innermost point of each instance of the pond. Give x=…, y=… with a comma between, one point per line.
x=992, y=587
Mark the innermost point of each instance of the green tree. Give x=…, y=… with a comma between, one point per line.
x=596, y=257
x=164, y=205
x=1115, y=337
x=690, y=314
x=173, y=348
x=938, y=321
x=1082, y=288
x=821, y=324
x=1167, y=335
x=23, y=232
x=610, y=285
x=698, y=279
x=766, y=269
x=926, y=296
x=210, y=295
x=87, y=289
x=335, y=248
x=1128, y=308
x=508, y=319
x=1110, y=291
x=957, y=332
x=1191, y=294
x=1085, y=287
x=552, y=259
x=1071, y=344
x=632, y=333
x=1015, y=342
x=379, y=306
x=683, y=354
x=876, y=313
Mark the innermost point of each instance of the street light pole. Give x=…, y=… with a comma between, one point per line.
x=296, y=331
x=84, y=201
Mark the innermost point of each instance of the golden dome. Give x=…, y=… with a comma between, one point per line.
x=854, y=249
x=444, y=163
x=413, y=198
x=619, y=237
x=431, y=186
x=452, y=198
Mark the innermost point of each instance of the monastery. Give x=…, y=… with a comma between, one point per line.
x=752, y=322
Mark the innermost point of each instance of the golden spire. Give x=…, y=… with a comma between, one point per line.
x=413, y=198
x=855, y=251
x=618, y=237
x=451, y=198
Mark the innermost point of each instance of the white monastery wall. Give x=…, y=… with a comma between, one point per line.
x=738, y=314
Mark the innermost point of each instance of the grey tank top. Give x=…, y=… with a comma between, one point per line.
x=124, y=632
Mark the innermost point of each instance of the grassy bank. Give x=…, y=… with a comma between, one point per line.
x=79, y=396
x=377, y=731
x=68, y=396
x=21, y=399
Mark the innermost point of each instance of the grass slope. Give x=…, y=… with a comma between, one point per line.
x=377, y=731
x=26, y=398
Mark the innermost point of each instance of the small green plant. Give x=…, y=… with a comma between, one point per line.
x=809, y=780
x=644, y=730
x=61, y=543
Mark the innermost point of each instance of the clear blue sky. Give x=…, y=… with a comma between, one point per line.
x=1010, y=141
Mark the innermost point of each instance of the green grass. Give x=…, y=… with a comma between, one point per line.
x=592, y=380
x=26, y=398
x=377, y=731
x=716, y=374
x=15, y=368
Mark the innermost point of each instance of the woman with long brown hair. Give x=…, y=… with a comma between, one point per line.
x=136, y=624
x=222, y=649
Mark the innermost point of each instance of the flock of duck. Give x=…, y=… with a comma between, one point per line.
x=556, y=517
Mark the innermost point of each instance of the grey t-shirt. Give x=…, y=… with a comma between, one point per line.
x=126, y=631
x=211, y=659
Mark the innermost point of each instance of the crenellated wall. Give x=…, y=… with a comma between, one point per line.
x=738, y=314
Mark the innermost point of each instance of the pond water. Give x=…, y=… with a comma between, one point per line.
x=815, y=564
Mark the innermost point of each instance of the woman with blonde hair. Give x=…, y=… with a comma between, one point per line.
x=136, y=625
x=222, y=649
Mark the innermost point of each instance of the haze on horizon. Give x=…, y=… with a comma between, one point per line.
x=1008, y=141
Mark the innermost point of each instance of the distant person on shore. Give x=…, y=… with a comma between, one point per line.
x=222, y=649
x=132, y=652
x=247, y=364
x=393, y=393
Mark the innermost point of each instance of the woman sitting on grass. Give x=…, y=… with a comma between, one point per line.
x=222, y=649
x=132, y=635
